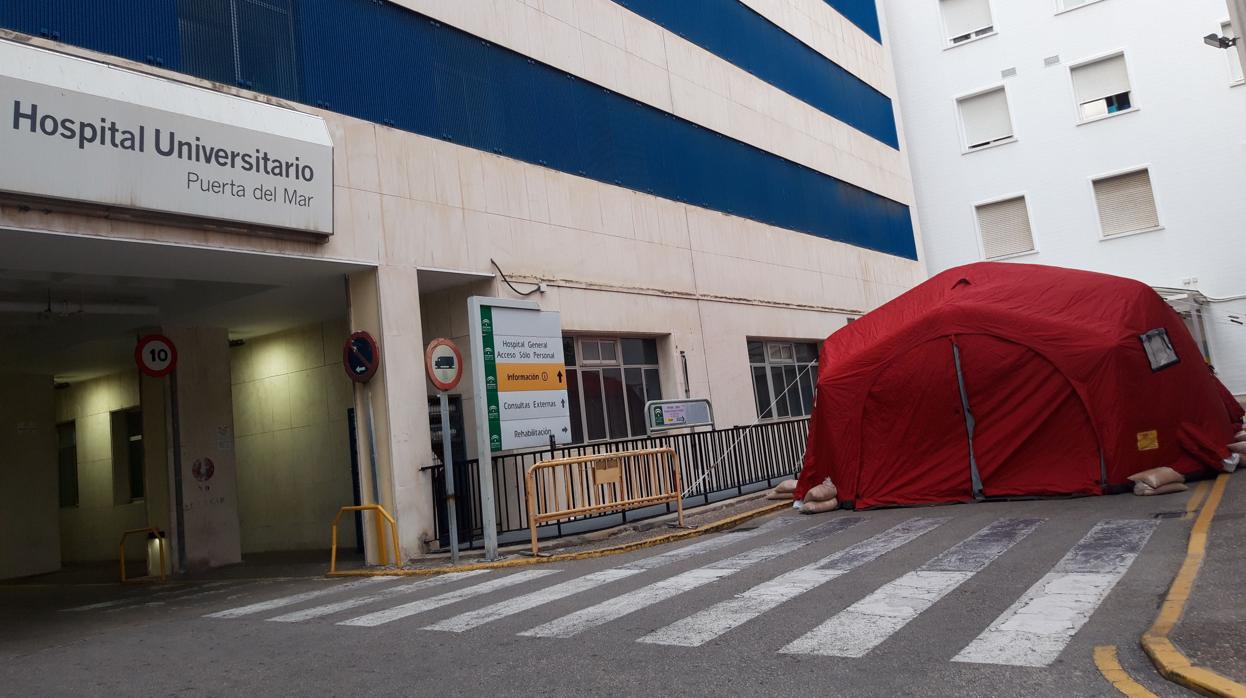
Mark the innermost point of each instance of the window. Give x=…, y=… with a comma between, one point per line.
x=127, y=455
x=609, y=380
x=965, y=19
x=1235, y=58
x=1102, y=87
x=1126, y=203
x=984, y=118
x=1005, y=228
x=249, y=43
x=67, y=463
x=784, y=376
x=1159, y=349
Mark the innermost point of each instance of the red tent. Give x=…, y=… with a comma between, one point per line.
x=1005, y=380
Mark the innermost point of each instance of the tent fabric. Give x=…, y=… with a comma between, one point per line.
x=1050, y=363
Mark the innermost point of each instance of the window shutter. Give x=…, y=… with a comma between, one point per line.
x=985, y=117
x=1100, y=79
x=965, y=16
x=1126, y=203
x=1005, y=227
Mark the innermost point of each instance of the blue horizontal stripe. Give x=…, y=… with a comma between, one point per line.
x=735, y=33
x=385, y=64
x=863, y=13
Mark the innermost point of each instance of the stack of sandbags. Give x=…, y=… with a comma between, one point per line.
x=783, y=490
x=1237, y=451
x=1158, y=481
x=821, y=498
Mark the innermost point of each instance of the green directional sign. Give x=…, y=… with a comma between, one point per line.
x=489, y=354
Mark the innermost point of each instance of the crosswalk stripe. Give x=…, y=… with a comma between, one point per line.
x=390, y=615
x=622, y=605
x=502, y=609
x=283, y=601
x=699, y=628
x=864, y=625
x=1036, y=629
x=389, y=592
x=141, y=600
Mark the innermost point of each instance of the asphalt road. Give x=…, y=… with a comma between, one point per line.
x=996, y=599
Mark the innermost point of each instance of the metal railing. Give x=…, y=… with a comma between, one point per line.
x=564, y=489
x=739, y=460
x=382, y=517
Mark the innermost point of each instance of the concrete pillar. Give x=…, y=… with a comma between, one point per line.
x=386, y=303
x=205, y=421
x=29, y=486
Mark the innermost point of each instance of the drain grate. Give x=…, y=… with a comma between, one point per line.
x=1169, y=514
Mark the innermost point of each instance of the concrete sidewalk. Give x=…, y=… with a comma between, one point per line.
x=1212, y=631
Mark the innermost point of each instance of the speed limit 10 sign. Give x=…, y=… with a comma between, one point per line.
x=155, y=355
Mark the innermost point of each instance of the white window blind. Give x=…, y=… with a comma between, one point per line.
x=1126, y=203
x=985, y=118
x=1100, y=79
x=961, y=17
x=1235, y=59
x=1005, y=227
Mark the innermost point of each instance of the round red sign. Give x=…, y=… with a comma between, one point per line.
x=361, y=357
x=444, y=364
x=155, y=355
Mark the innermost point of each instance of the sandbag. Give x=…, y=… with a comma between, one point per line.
x=787, y=486
x=1238, y=447
x=819, y=507
x=776, y=494
x=1143, y=490
x=1240, y=436
x=822, y=493
x=1158, y=477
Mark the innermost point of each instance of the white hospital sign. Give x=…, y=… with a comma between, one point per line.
x=78, y=131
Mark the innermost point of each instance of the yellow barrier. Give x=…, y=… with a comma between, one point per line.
x=381, y=515
x=159, y=538
x=601, y=483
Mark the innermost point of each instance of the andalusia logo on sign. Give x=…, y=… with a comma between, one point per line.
x=493, y=412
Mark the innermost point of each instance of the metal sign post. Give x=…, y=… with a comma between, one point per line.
x=156, y=356
x=361, y=357
x=520, y=387
x=444, y=364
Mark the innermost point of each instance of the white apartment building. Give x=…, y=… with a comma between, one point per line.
x=1097, y=134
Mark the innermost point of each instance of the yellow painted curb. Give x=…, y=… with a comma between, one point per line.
x=1167, y=658
x=564, y=557
x=1196, y=498
x=1110, y=666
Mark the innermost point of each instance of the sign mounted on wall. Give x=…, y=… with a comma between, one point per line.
x=444, y=364
x=361, y=357
x=138, y=145
x=155, y=355
x=664, y=415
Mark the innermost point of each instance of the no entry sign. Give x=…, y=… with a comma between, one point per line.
x=155, y=355
x=361, y=357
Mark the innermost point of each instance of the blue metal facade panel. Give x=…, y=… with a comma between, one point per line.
x=732, y=31
x=140, y=30
x=382, y=63
x=863, y=13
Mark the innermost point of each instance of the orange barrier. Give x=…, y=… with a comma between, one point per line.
x=569, y=488
x=159, y=538
x=381, y=516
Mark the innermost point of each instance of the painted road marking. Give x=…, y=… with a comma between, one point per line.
x=697, y=629
x=630, y=602
x=1036, y=629
x=390, y=615
x=389, y=592
x=510, y=607
x=283, y=601
x=144, y=600
x=864, y=625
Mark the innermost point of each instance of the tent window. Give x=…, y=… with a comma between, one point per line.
x=1159, y=349
x=784, y=376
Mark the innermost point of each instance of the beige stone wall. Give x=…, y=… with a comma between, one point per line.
x=90, y=531
x=30, y=543
x=292, y=445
